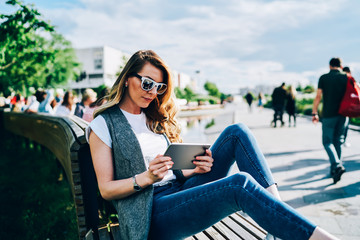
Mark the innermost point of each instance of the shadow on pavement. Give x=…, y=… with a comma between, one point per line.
x=342, y=192
x=268, y=155
x=350, y=165
x=307, y=180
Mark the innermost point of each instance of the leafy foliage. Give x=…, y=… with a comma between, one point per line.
x=36, y=200
x=355, y=121
x=186, y=93
x=309, y=89
x=214, y=97
x=212, y=89
x=32, y=54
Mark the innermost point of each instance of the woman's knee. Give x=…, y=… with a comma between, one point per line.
x=242, y=178
x=239, y=129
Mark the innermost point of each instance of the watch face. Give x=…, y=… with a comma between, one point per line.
x=137, y=187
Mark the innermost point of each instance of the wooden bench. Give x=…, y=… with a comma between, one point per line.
x=65, y=138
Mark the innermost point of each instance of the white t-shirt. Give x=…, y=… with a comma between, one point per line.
x=62, y=111
x=34, y=105
x=151, y=143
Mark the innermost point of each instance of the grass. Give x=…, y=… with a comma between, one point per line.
x=36, y=198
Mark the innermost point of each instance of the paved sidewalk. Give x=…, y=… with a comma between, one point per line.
x=300, y=166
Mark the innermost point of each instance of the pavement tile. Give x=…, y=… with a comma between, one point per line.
x=330, y=224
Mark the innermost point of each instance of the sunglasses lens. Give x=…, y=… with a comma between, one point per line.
x=161, y=88
x=147, y=84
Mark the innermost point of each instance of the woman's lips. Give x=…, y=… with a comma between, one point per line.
x=148, y=99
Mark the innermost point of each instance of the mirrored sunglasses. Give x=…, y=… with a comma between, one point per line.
x=147, y=84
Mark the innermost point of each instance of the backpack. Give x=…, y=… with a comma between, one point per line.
x=350, y=104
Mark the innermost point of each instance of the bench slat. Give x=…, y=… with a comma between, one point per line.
x=89, y=235
x=199, y=236
x=237, y=229
x=212, y=233
x=229, y=233
x=191, y=238
x=249, y=224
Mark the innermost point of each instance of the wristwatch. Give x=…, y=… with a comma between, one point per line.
x=136, y=186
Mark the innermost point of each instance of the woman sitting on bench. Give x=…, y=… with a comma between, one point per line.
x=127, y=139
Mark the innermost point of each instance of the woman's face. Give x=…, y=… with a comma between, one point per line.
x=71, y=98
x=135, y=97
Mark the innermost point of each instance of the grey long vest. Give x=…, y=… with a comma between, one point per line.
x=134, y=211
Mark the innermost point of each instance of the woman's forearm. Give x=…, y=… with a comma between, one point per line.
x=118, y=189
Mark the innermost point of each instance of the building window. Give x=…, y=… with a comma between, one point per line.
x=98, y=63
x=98, y=75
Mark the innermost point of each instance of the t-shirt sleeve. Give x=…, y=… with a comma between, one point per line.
x=99, y=127
x=321, y=82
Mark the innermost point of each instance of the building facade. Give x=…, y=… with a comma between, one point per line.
x=102, y=65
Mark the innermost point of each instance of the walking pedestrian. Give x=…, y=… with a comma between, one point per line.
x=278, y=102
x=249, y=99
x=261, y=100
x=291, y=104
x=331, y=89
x=346, y=143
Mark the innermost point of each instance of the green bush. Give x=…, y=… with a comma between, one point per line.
x=212, y=101
x=210, y=124
x=36, y=200
x=355, y=121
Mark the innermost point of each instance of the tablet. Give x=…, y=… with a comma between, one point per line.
x=182, y=154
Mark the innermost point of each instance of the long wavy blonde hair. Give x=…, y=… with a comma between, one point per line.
x=161, y=111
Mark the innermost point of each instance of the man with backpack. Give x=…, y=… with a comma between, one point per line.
x=331, y=88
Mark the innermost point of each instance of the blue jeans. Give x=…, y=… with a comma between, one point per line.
x=333, y=136
x=183, y=209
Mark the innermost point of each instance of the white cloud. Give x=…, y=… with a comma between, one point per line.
x=215, y=39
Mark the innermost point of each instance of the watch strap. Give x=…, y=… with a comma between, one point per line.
x=137, y=187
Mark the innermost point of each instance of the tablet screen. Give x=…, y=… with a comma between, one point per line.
x=182, y=154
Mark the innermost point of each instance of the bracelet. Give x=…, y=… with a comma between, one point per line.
x=314, y=114
x=136, y=186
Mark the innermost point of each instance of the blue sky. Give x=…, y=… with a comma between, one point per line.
x=234, y=43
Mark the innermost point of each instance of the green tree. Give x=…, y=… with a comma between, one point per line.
x=186, y=93
x=309, y=89
x=179, y=93
x=189, y=93
x=32, y=54
x=212, y=89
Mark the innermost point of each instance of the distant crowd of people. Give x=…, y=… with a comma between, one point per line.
x=282, y=99
x=58, y=102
